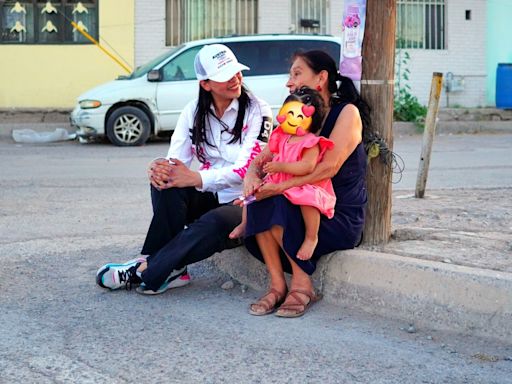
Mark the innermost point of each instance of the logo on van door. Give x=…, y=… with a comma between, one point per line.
x=266, y=128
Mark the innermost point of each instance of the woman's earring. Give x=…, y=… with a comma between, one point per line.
x=318, y=88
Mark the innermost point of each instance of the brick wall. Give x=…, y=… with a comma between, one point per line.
x=149, y=30
x=464, y=56
x=275, y=16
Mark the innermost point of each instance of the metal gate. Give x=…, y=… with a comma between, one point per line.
x=309, y=16
x=420, y=24
x=198, y=19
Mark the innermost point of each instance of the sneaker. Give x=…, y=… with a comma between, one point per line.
x=177, y=278
x=115, y=276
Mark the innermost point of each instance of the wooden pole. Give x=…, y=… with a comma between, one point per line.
x=377, y=90
x=428, y=134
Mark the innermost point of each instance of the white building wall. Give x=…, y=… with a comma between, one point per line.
x=464, y=56
x=336, y=17
x=275, y=16
x=149, y=30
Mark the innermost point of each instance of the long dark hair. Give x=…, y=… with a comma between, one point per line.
x=204, y=112
x=309, y=96
x=346, y=92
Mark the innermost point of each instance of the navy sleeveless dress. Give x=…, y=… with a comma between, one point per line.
x=343, y=231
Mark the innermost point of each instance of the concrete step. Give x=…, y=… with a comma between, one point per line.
x=426, y=293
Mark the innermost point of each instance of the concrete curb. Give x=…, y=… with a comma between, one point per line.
x=42, y=123
x=427, y=293
x=455, y=127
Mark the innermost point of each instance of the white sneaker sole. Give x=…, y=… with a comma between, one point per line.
x=106, y=275
x=176, y=283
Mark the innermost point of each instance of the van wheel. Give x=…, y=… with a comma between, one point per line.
x=128, y=126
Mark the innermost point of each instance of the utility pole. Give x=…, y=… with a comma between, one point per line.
x=377, y=89
x=428, y=133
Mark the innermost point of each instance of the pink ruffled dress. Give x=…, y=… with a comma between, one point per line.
x=319, y=195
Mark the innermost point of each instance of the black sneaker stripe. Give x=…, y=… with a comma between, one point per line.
x=99, y=278
x=172, y=278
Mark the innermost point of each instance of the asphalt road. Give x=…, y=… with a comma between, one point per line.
x=458, y=161
x=67, y=208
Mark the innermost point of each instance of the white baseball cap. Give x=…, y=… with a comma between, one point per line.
x=217, y=62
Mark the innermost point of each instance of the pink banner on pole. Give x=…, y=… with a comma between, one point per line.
x=354, y=17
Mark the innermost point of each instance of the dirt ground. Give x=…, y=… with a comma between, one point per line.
x=470, y=227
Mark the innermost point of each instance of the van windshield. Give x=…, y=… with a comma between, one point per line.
x=145, y=68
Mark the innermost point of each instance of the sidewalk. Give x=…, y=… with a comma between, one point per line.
x=434, y=273
x=448, y=264
x=450, y=121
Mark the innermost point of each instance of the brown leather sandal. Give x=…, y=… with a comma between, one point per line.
x=298, y=309
x=266, y=304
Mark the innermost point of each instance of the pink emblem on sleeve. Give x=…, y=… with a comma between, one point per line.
x=254, y=152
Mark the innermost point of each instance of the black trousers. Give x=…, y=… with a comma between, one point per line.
x=170, y=246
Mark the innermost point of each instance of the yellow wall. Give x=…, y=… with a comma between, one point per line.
x=52, y=76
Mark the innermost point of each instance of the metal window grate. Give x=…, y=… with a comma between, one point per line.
x=197, y=19
x=41, y=22
x=420, y=24
x=309, y=10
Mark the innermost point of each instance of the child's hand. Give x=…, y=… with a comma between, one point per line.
x=238, y=202
x=273, y=167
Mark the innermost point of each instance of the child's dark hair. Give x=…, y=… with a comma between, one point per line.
x=309, y=96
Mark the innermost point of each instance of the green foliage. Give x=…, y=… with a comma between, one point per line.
x=408, y=108
x=406, y=105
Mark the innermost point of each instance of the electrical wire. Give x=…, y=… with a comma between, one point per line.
x=376, y=146
x=102, y=39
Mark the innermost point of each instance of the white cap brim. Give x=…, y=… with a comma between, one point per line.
x=228, y=72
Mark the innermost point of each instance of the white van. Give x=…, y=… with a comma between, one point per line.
x=148, y=102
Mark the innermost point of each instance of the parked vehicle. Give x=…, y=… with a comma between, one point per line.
x=148, y=102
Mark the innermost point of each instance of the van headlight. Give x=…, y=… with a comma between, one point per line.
x=88, y=104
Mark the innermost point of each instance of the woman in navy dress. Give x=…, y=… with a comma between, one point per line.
x=275, y=228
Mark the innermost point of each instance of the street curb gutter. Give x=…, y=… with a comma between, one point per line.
x=426, y=293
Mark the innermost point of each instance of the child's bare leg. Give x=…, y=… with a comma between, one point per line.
x=311, y=217
x=239, y=230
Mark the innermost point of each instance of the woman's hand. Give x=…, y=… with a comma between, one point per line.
x=251, y=184
x=164, y=174
x=158, y=173
x=268, y=190
x=181, y=176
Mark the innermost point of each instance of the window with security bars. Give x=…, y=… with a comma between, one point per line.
x=47, y=22
x=309, y=16
x=420, y=24
x=188, y=20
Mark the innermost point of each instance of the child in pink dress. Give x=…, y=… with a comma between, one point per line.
x=296, y=151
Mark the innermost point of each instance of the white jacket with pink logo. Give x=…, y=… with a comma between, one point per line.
x=226, y=164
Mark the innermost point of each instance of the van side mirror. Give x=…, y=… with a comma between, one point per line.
x=154, y=75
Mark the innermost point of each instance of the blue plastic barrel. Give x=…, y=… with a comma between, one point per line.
x=504, y=86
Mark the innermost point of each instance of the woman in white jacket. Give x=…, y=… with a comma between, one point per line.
x=193, y=214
